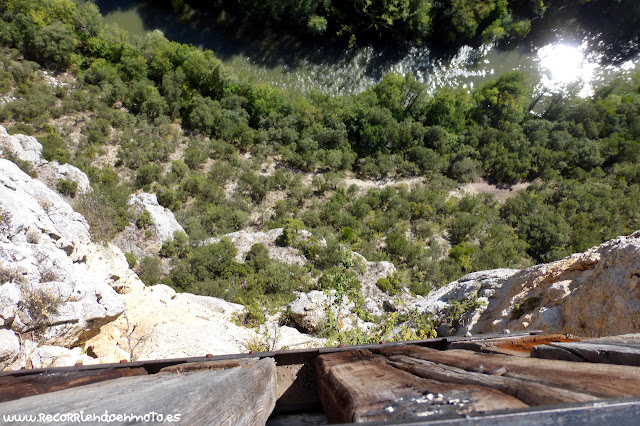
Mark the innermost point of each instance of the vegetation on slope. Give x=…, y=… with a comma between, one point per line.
x=183, y=126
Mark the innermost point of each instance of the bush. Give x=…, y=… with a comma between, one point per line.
x=54, y=148
x=528, y=305
x=289, y=236
x=67, y=187
x=106, y=210
x=150, y=270
x=144, y=220
x=131, y=259
x=390, y=285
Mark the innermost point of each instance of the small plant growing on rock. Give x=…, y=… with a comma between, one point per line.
x=144, y=220
x=45, y=203
x=67, y=187
x=11, y=275
x=5, y=220
x=41, y=304
x=131, y=259
x=33, y=236
x=390, y=285
x=456, y=310
x=527, y=305
x=252, y=316
x=266, y=340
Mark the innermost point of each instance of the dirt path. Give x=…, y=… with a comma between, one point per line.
x=502, y=193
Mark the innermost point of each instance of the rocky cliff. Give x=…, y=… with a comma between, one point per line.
x=595, y=293
x=65, y=299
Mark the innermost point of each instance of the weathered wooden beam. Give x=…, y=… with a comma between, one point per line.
x=512, y=345
x=12, y=387
x=551, y=352
x=208, y=365
x=619, y=412
x=602, y=353
x=530, y=393
x=238, y=396
x=359, y=386
x=605, y=380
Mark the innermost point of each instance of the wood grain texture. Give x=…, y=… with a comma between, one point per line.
x=208, y=365
x=530, y=393
x=15, y=387
x=601, y=380
x=359, y=386
x=237, y=396
x=602, y=353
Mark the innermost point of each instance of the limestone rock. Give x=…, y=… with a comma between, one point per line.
x=34, y=355
x=51, y=173
x=595, y=293
x=44, y=247
x=160, y=323
x=9, y=348
x=163, y=222
x=26, y=148
x=483, y=283
x=309, y=311
x=10, y=298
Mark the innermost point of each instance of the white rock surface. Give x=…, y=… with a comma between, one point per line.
x=309, y=311
x=595, y=293
x=35, y=355
x=9, y=348
x=51, y=173
x=45, y=245
x=164, y=324
x=163, y=222
x=26, y=148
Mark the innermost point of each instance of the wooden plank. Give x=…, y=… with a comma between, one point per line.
x=488, y=348
x=619, y=412
x=208, y=365
x=607, y=381
x=602, y=353
x=359, y=386
x=551, y=352
x=512, y=345
x=629, y=340
x=22, y=386
x=530, y=393
x=236, y=396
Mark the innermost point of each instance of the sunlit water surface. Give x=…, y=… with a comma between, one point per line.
x=561, y=66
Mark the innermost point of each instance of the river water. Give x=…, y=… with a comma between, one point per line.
x=564, y=63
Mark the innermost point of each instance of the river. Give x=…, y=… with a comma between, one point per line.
x=563, y=63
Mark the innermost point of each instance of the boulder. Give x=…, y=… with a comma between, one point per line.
x=160, y=323
x=9, y=348
x=34, y=355
x=595, y=293
x=51, y=173
x=309, y=311
x=26, y=148
x=44, y=248
x=163, y=222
